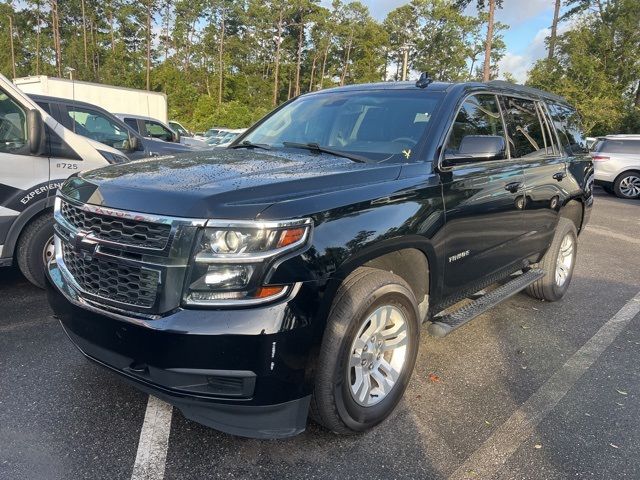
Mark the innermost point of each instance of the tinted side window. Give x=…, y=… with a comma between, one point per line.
x=567, y=123
x=46, y=106
x=619, y=146
x=524, y=131
x=133, y=123
x=478, y=116
x=156, y=130
x=93, y=124
x=13, y=125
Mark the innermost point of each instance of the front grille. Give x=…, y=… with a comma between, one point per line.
x=119, y=230
x=112, y=280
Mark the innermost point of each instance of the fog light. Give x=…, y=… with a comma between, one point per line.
x=226, y=276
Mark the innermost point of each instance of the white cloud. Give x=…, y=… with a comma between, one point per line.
x=516, y=12
x=519, y=64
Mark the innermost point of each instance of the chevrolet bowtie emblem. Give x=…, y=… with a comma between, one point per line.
x=82, y=243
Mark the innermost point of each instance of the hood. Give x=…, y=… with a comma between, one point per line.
x=223, y=183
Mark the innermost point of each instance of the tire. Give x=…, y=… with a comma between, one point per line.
x=608, y=189
x=549, y=287
x=361, y=296
x=627, y=185
x=30, y=254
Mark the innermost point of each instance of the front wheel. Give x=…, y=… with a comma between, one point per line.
x=557, y=263
x=368, y=352
x=35, y=249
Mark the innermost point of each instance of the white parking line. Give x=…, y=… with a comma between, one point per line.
x=497, y=449
x=610, y=233
x=21, y=325
x=154, y=441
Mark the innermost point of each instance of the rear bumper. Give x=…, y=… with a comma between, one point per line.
x=603, y=183
x=216, y=366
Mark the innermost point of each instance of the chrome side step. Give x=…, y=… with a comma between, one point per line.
x=445, y=324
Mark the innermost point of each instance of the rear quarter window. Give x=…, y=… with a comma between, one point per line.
x=619, y=146
x=567, y=123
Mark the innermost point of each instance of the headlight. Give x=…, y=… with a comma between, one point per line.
x=231, y=260
x=113, y=157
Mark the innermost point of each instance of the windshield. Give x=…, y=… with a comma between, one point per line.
x=378, y=125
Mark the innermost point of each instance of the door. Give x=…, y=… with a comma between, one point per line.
x=24, y=178
x=533, y=140
x=482, y=198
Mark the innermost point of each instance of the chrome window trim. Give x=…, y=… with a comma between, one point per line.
x=448, y=168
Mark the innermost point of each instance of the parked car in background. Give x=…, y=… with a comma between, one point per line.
x=96, y=123
x=212, y=132
x=178, y=127
x=616, y=159
x=225, y=139
x=291, y=272
x=37, y=153
x=153, y=128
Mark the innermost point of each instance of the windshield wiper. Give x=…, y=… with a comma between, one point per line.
x=314, y=147
x=248, y=144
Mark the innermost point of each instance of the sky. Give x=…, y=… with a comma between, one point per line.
x=529, y=22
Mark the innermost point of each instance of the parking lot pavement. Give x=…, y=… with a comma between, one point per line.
x=529, y=390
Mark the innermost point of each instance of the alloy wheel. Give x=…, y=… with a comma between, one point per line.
x=565, y=260
x=630, y=186
x=377, y=355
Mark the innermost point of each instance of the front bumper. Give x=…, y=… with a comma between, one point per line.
x=241, y=371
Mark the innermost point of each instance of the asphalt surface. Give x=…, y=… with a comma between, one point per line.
x=62, y=417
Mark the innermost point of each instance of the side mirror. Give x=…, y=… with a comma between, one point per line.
x=175, y=137
x=479, y=147
x=35, y=130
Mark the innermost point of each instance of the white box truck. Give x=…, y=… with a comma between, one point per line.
x=111, y=98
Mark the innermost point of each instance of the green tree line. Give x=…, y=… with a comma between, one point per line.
x=595, y=64
x=228, y=62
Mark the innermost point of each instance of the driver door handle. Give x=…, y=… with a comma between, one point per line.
x=559, y=175
x=513, y=187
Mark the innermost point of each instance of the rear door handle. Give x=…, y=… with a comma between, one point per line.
x=559, y=175
x=513, y=187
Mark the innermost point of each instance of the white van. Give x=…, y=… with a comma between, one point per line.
x=36, y=155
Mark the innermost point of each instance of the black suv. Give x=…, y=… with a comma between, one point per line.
x=290, y=274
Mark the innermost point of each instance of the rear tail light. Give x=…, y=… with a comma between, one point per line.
x=599, y=158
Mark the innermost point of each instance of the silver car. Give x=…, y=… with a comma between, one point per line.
x=616, y=159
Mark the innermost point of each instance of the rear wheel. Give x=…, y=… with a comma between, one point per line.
x=35, y=249
x=558, y=263
x=368, y=352
x=627, y=185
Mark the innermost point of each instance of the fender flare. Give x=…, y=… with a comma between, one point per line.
x=376, y=250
